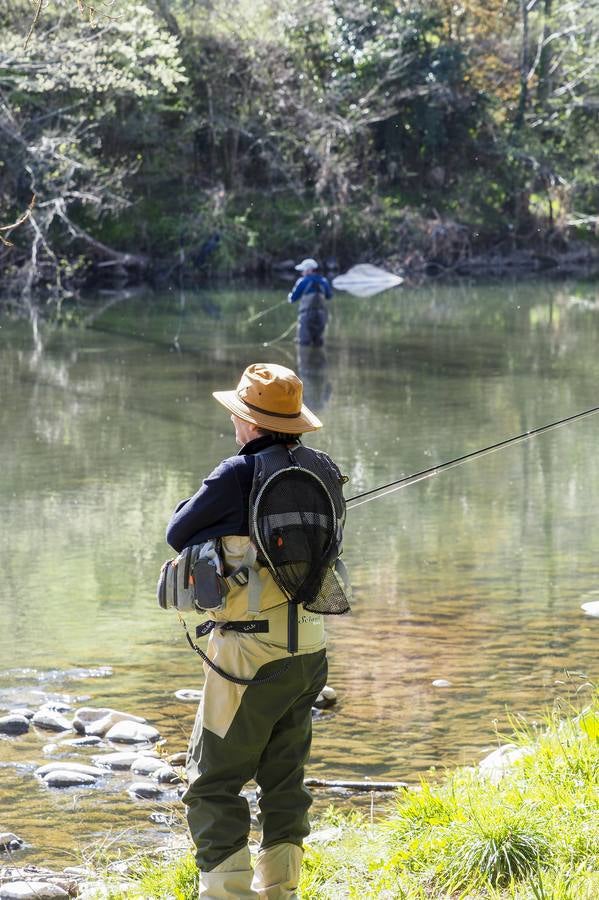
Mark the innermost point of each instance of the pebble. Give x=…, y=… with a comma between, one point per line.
x=132, y=733
x=90, y=740
x=326, y=698
x=189, y=695
x=69, y=767
x=31, y=890
x=10, y=841
x=496, y=764
x=122, y=760
x=441, y=682
x=61, y=778
x=14, y=724
x=53, y=721
x=177, y=759
x=166, y=775
x=22, y=711
x=159, y=818
x=59, y=706
x=146, y=765
x=591, y=608
x=145, y=790
x=99, y=720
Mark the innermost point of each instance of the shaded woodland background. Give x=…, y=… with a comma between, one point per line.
x=395, y=132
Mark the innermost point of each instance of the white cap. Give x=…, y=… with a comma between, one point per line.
x=306, y=264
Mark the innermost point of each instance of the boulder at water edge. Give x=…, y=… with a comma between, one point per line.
x=166, y=775
x=177, y=759
x=122, y=760
x=98, y=720
x=69, y=767
x=132, y=733
x=144, y=790
x=89, y=740
x=189, y=695
x=53, y=721
x=61, y=778
x=496, y=764
x=146, y=765
x=14, y=724
x=22, y=711
x=31, y=890
x=10, y=841
x=326, y=698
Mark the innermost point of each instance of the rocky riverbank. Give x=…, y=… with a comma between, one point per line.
x=83, y=749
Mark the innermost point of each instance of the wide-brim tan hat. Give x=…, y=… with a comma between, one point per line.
x=270, y=396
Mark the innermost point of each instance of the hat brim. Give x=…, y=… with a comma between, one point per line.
x=306, y=421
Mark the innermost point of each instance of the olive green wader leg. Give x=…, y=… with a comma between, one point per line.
x=269, y=738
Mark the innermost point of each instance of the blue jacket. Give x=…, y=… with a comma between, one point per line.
x=221, y=505
x=311, y=284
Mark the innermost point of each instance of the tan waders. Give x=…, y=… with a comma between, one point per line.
x=260, y=732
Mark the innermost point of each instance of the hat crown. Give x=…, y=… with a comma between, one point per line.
x=270, y=388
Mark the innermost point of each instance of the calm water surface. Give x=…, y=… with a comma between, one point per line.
x=475, y=576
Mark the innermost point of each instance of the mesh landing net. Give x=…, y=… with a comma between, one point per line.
x=295, y=530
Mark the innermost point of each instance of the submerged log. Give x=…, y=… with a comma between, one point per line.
x=356, y=785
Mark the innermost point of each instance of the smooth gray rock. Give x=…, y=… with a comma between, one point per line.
x=31, y=890
x=177, y=759
x=121, y=760
x=60, y=778
x=496, y=765
x=88, y=740
x=99, y=720
x=326, y=698
x=14, y=724
x=10, y=841
x=146, y=765
x=166, y=775
x=189, y=695
x=591, y=608
x=22, y=711
x=145, y=790
x=159, y=818
x=58, y=706
x=53, y=721
x=69, y=767
x=128, y=732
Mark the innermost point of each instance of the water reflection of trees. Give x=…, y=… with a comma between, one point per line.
x=471, y=576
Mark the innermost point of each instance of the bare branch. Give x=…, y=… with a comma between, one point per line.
x=22, y=218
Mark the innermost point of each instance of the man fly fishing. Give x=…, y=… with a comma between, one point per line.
x=259, y=547
x=312, y=291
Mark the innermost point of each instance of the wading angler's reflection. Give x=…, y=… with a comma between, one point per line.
x=312, y=368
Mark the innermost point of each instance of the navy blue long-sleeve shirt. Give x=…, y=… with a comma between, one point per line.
x=312, y=283
x=221, y=506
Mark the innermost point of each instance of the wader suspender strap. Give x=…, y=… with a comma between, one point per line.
x=209, y=626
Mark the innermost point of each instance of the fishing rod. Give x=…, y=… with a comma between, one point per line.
x=392, y=486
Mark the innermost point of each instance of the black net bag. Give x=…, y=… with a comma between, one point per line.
x=296, y=524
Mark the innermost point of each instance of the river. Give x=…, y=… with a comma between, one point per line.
x=475, y=576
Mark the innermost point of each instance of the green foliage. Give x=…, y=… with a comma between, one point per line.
x=359, y=129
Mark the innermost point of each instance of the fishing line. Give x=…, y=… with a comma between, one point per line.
x=265, y=311
x=281, y=336
x=393, y=486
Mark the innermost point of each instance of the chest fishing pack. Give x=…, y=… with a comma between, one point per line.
x=296, y=519
x=194, y=580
